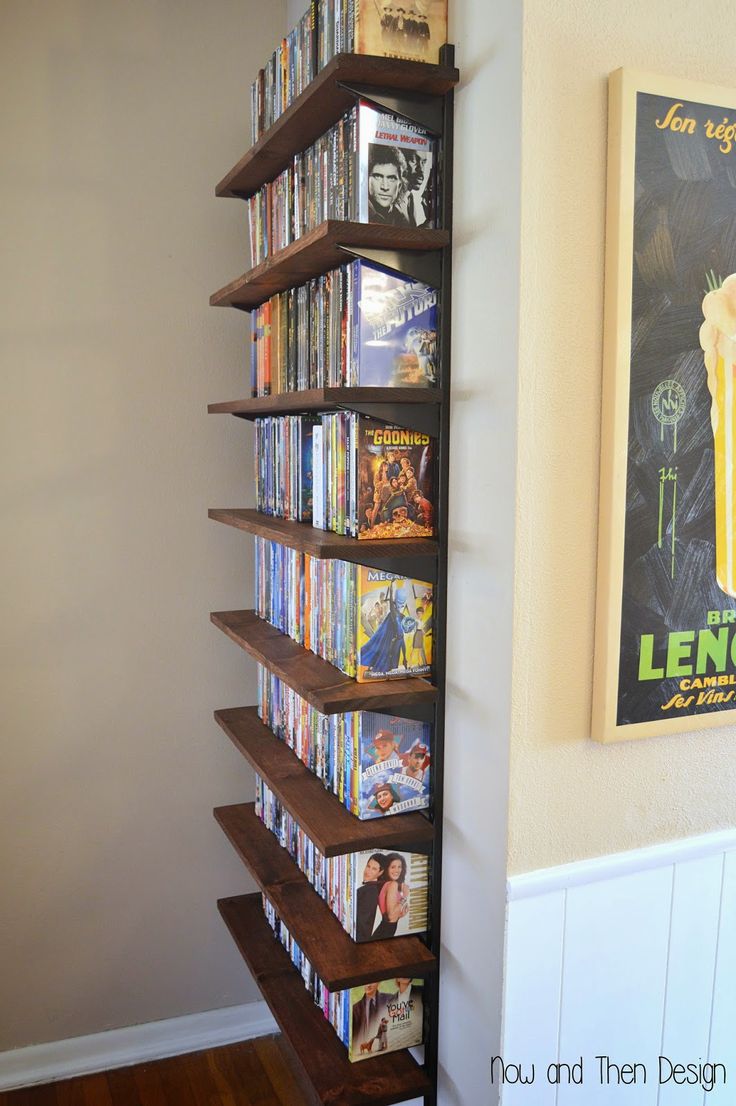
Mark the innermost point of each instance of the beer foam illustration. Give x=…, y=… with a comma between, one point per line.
x=718, y=339
x=718, y=335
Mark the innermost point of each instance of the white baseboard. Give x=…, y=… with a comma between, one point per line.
x=119, y=1048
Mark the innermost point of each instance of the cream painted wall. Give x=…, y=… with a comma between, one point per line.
x=571, y=798
x=117, y=121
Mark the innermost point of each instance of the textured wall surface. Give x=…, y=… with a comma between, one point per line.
x=117, y=121
x=571, y=798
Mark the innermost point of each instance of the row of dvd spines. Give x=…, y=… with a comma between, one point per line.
x=369, y=167
x=335, y=1005
x=303, y=338
x=285, y=75
x=342, y=472
x=283, y=454
x=356, y=325
x=321, y=183
x=374, y=895
x=332, y=27
x=324, y=30
x=376, y=764
x=369, y=1019
x=321, y=617
x=372, y=625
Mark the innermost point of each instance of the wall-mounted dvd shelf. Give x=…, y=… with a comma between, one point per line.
x=320, y=683
x=321, y=543
x=325, y=399
x=321, y=105
x=421, y=94
x=416, y=558
x=322, y=249
x=339, y=961
x=321, y=1058
x=415, y=408
x=320, y=814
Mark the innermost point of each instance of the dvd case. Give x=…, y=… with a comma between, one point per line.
x=385, y=1017
x=396, y=171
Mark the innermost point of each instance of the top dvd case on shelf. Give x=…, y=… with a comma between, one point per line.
x=414, y=30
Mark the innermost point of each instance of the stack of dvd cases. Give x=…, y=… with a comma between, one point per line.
x=371, y=1019
x=374, y=895
x=286, y=74
x=372, y=625
x=370, y=167
x=347, y=473
x=375, y=764
x=283, y=456
x=358, y=325
x=331, y=27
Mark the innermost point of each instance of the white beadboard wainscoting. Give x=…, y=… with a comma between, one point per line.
x=630, y=957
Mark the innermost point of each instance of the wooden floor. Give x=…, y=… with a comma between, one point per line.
x=254, y=1073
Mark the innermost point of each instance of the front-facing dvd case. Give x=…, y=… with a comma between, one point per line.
x=394, y=626
x=397, y=171
x=385, y=1017
x=395, y=331
x=390, y=894
x=395, y=485
x=395, y=764
x=414, y=31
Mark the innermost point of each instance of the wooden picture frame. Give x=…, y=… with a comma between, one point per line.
x=671, y=210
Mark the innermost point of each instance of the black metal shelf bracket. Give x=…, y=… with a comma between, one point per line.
x=423, y=417
x=422, y=265
x=423, y=569
x=416, y=107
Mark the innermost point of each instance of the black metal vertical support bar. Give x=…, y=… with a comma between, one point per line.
x=447, y=57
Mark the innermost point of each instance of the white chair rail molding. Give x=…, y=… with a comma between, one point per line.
x=620, y=979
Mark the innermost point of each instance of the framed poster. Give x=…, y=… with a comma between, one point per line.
x=665, y=656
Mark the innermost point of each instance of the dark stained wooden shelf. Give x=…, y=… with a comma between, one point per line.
x=320, y=683
x=321, y=105
x=322, y=399
x=321, y=543
x=321, y=1057
x=338, y=960
x=321, y=815
x=315, y=253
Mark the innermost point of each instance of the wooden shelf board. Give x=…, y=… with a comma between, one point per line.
x=321, y=1057
x=315, y=253
x=322, y=399
x=321, y=543
x=321, y=815
x=321, y=105
x=320, y=683
x=338, y=960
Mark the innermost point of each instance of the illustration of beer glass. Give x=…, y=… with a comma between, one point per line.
x=718, y=340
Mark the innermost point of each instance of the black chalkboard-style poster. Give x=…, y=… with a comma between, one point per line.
x=666, y=618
